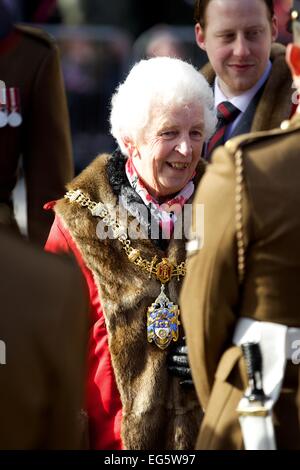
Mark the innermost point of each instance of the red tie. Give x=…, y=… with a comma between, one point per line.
x=226, y=113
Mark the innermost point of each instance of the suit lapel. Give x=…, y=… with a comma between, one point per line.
x=245, y=124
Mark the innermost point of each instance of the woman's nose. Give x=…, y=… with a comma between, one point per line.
x=184, y=147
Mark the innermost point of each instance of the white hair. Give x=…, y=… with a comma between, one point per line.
x=158, y=82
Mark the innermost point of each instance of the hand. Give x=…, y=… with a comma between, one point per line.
x=178, y=364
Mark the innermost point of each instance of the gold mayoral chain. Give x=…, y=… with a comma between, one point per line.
x=163, y=315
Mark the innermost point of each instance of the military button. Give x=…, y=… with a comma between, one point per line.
x=294, y=15
x=193, y=246
x=285, y=125
x=229, y=145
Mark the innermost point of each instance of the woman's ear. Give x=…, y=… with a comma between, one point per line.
x=130, y=147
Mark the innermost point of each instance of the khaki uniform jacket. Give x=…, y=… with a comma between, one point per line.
x=43, y=335
x=29, y=60
x=212, y=299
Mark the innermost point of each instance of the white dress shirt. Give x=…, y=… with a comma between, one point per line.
x=241, y=101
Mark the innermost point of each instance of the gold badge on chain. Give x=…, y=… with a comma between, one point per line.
x=163, y=321
x=163, y=315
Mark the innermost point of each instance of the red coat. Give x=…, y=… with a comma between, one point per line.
x=103, y=401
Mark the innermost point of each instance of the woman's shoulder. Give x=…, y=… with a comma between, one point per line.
x=92, y=174
x=93, y=183
x=59, y=237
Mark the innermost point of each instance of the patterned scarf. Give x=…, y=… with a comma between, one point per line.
x=165, y=214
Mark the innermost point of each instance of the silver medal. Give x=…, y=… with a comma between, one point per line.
x=14, y=119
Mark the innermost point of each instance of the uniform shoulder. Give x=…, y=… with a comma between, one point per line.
x=277, y=49
x=240, y=142
x=36, y=34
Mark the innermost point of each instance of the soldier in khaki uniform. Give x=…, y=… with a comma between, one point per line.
x=30, y=70
x=43, y=334
x=251, y=198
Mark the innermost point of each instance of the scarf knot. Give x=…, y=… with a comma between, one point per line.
x=166, y=213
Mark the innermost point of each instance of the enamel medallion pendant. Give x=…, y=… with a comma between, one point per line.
x=162, y=321
x=163, y=315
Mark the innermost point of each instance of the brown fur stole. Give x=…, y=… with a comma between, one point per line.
x=157, y=412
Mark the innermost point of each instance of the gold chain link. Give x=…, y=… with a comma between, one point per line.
x=163, y=271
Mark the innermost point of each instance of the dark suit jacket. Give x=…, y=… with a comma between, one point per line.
x=212, y=299
x=42, y=349
x=29, y=60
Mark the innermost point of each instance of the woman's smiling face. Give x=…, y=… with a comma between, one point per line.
x=166, y=154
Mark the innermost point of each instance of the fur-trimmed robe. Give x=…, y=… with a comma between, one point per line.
x=275, y=104
x=157, y=412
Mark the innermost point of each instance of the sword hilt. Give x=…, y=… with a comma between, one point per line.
x=253, y=359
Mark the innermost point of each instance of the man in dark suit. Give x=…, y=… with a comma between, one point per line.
x=244, y=282
x=245, y=67
x=43, y=334
x=34, y=123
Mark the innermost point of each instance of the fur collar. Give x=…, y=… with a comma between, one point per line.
x=131, y=200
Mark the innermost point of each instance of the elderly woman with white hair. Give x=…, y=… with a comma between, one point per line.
x=119, y=217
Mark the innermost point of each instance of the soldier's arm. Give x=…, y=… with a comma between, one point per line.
x=48, y=157
x=210, y=291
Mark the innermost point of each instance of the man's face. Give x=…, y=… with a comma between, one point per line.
x=237, y=38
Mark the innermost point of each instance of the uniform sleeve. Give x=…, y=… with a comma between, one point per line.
x=210, y=290
x=47, y=153
x=64, y=428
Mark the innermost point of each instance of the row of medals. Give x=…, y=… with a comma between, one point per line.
x=11, y=116
x=13, y=119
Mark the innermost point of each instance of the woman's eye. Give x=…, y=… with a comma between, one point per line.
x=196, y=134
x=168, y=134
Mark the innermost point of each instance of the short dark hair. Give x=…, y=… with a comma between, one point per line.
x=201, y=6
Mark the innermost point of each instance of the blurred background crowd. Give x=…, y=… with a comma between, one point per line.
x=99, y=41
